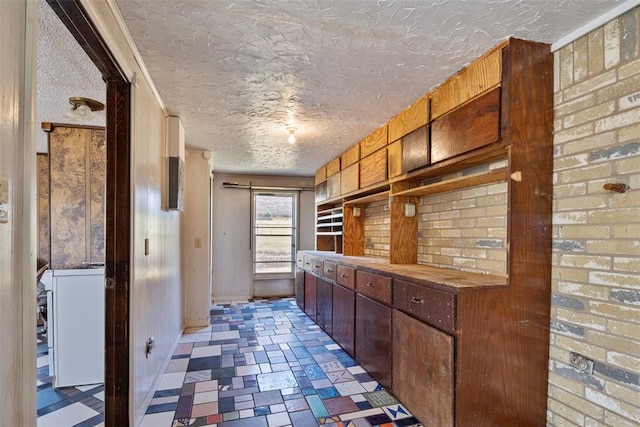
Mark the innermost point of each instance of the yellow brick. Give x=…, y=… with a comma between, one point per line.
x=630, y=69
x=612, y=216
x=582, y=319
x=612, y=43
x=566, y=66
x=492, y=267
x=583, y=232
x=580, y=59
x=577, y=132
x=622, y=408
x=626, y=264
x=586, y=261
x=622, y=393
x=611, y=342
x=566, y=412
x=617, y=121
x=593, y=351
x=572, y=274
x=619, y=247
x=624, y=329
x=626, y=231
x=585, y=173
x=589, y=143
x=614, y=419
x=569, y=162
x=580, y=290
x=590, y=85
x=579, y=404
x=574, y=105
x=564, y=383
x=596, y=51
x=584, y=202
x=590, y=114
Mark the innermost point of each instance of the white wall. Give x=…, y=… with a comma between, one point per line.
x=156, y=306
x=232, y=256
x=17, y=236
x=196, y=238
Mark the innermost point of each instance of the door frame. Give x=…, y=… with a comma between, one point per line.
x=118, y=207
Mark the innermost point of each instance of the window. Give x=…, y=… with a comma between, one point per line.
x=274, y=233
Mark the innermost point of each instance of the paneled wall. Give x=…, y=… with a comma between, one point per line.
x=156, y=306
x=232, y=256
x=596, y=259
x=17, y=235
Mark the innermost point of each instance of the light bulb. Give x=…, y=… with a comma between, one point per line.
x=292, y=138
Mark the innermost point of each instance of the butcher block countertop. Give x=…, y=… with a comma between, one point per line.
x=414, y=273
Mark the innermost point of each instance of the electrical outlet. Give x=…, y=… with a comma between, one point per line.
x=581, y=363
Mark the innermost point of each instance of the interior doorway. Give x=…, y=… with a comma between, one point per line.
x=118, y=208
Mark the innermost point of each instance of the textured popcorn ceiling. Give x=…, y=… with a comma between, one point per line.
x=63, y=70
x=239, y=72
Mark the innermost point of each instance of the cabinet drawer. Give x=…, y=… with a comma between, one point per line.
x=350, y=157
x=374, y=286
x=438, y=308
x=471, y=126
x=373, y=142
x=308, y=262
x=317, y=267
x=300, y=260
x=346, y=276
x=329, y=270
x=333, y=167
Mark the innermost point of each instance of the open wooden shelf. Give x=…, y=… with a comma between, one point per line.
x=488, y=177
x=369, y=199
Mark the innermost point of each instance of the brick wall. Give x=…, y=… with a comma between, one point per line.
x=377, y=226
x=465, y=229
x=596, y=248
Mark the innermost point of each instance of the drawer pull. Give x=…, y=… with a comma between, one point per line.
x=417, y=300
x=317, y=266
x=307, y=263
x=343, y=275
x=370, y=284
x=329, y=270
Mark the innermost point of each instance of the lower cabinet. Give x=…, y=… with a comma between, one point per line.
x=310, y=294
x=373, y=338
x=344, y=318
x=300, y=288
x=423, y=370
x=324, y=315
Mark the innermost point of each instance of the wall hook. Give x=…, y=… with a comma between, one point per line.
x=618, y=188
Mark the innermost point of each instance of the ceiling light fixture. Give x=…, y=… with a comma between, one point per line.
x=82, y=108
x=292, y=137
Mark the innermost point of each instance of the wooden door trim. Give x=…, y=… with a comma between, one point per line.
x=118, y=208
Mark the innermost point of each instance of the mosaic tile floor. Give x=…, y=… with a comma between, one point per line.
x=81, y=406
x=265, y=363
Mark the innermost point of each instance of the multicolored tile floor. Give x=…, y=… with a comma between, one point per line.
x=81, y=406
x=265, y=363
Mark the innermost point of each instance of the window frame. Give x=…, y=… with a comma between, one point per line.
x=295, y=198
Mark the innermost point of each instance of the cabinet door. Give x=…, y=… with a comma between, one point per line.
x=344, y=318
x=300, y=288
x=310, y=294
x=373, y=338
x=324, y=316
x=423, y=370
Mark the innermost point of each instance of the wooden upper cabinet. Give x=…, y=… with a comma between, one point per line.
x=321, y=174
x=333, y=186
x=416, y=115
x=373, y=168
x=350, y=180
x=333, y=167
x=374, y=141
x=415, y=149
x=480, y=76
x=351, y=156
x=394, y=156
x=473, y=125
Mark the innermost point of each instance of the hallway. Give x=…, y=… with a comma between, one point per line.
x=265, y=363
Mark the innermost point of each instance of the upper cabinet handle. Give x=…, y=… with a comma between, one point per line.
x=417, y=300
